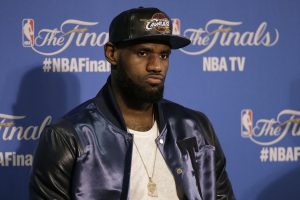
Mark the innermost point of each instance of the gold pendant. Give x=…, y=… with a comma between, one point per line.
x=152, y=191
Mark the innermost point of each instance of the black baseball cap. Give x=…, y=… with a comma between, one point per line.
x=144, y=25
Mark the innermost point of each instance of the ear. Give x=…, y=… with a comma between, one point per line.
x=111, y=53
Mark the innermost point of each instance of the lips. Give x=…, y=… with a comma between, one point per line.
x=154, y=79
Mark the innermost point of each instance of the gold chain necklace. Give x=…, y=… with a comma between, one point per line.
x=152, y=189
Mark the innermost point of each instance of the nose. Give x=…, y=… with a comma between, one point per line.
x=154, y=63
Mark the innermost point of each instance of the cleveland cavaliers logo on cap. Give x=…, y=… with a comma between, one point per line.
x=159, y=22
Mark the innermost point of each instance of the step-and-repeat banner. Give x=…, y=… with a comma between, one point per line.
x=242, y=69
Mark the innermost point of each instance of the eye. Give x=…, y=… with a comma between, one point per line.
x=142, y=53
x=164, y=56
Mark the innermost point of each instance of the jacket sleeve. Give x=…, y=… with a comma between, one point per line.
x=223, y=185
x=53, y=163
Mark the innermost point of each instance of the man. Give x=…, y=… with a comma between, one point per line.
x=128, y=142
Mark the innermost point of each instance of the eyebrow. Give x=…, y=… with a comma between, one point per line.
x=167, y=51
x=149, y=49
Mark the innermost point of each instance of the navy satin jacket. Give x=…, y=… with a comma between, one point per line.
x=87, y=155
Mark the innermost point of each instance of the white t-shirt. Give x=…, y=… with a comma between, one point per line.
x=165, y=184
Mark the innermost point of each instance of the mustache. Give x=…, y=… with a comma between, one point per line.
x=155, y=75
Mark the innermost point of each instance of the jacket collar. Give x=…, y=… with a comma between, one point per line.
x=107, y=105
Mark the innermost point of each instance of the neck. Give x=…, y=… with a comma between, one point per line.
x=138, y=115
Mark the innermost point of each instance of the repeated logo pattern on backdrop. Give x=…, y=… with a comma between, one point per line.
x=223, y=33
x=12, y=132
x=269, y=134
x=53, y=41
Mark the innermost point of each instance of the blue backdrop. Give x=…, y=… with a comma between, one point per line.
x=242, y=69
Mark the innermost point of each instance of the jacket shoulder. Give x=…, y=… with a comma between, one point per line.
x=66, y=126
x=175, y=110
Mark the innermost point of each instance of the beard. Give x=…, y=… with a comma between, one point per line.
x=135, y=91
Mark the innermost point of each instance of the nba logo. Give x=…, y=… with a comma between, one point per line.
x=28, y=32
x=246, y=123
x=176, y=26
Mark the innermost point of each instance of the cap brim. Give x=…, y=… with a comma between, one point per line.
x=174, y=41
